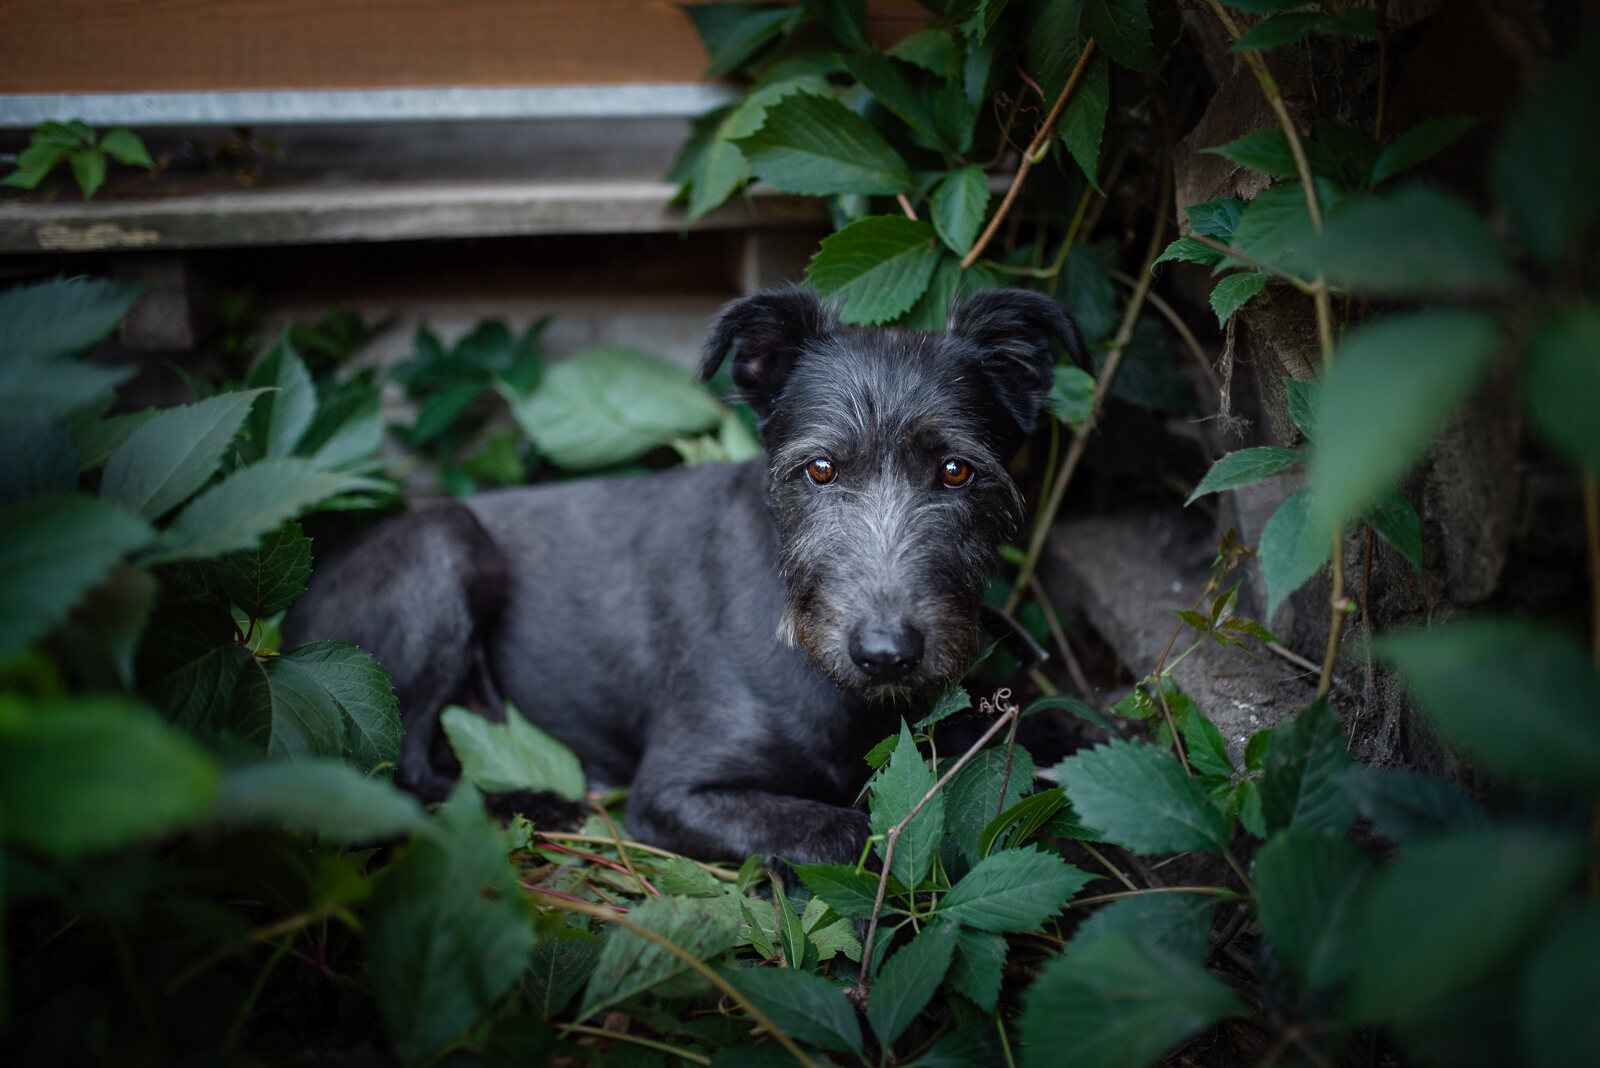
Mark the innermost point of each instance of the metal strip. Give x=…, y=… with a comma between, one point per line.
x=263, y=107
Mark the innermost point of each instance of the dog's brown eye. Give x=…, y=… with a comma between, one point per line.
x=955, y=473
x=821, y=471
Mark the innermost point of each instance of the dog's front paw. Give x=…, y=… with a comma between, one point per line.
x=840, y=839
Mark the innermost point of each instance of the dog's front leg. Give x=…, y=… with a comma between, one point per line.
x=731, y=822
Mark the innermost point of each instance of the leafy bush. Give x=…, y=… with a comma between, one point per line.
x=87, y=155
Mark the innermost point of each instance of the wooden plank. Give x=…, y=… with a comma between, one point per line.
x=78, y=46
x=394, y=211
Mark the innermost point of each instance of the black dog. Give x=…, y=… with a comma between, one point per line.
x=729, y=637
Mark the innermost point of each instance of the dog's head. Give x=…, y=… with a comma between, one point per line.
x=887, y=453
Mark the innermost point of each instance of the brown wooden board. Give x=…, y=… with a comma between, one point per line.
x=76, y=46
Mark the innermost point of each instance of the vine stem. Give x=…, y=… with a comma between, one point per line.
x=601, y=839
x=637, y=1040
x=1100, y=899
x=1319, y=298
x=622, y=852
x=1080, y=440
x=605, y=915
x=1041, y=140
x=1250, y=261
x=892, y=836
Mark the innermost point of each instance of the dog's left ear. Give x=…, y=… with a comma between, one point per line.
x=767, y=333
x=1018, y=332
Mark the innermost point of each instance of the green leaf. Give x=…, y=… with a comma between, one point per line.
x=42, y=323
x=1071, y=397
x=1122, y=27
x=88, y=774
x=1245, y=468
x=1561, y=378
x=954, y=699
x=1264, y=7
x=53, y=550
x=890, y=86
x=846, y=20
x=97, y=436
x=1276, y=229
x=1083, y=123
x=846, y=891
x=1234, y=292
x=722, y=168
x=1405, y=806
x=816, y=146
x=235, y=513
x=1085, y=289
x=1266, y=151
x=1292, y=550
x=514, y=755
x=1302, y=404
x=733, y=33
x=1053, y=44
x=1080, y=709
x=804, y=1006
x=324, y=797
x=934, y=50
x=173, y=453
x=265, y=582
x=629, y=965
x=607, y=406
x=1393, y=384
x=1140, y=798
x=1397, y=523
x=1308, y=892
x=33, y=164
x=791, y=932
x=1203, y=742
x=89, y=170
x=1188, y=250
x=327, y=699
x=447, y=930
x=1544, y=169
x=126, y=147
x=1117, y=1002
x=348, y=428
x=562, y=963
x=1280, y=30
x=1217, y=218
x=1517, y=698
x=1458, y=906
x=973, y=798
x=830, y=934
x=979, y=967
x=958, y=206
x=896, y=791
x=1414, y=242
x=279, y=420
x=1419, y=144
x=879, y=265
x=908, y=980
x=1303, y=782
x=1013, y=890
x=1177, y=923
x=1559, y=985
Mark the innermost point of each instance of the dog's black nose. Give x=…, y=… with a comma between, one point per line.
x=886, y=651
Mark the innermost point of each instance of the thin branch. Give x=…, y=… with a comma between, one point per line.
x=1100, y=899
x=622, y=852
x=639, y=847
x=1053, y=622
x=1060, y=261
x=1254, y=264
x=1010, y=713
x=761, y=1019
x=1108, y=373
x=637, y=1040
x=1088, y=847
x=905, y=206
x=1041, y=140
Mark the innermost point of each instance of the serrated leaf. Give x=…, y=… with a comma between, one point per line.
x=1419, y=144
x=1013, y=890
x=324, y=797
x=1275, y=228
x=804, y=1006
x=607, y=406
x=1176, y=923
x=1139, y=797
x=1456, y=916
x=954, y=699
x=1204, y=744
x=629, y=965
x=88, y=774
x=1083, y=123
x=846, y=20
x=891, y=88
x=1397, y=522
x=1217, y=218
x=1188, y=250
x=1561, y=378
x=1519, y=699
x=97, y=436
x=1280, y=30
x=733, y=33
x=846, y=891
x=1308, y=890
x=1117, y=1002
x=89, y=170
x=448, y=932
x=1414, y=242
x=1053, y=44
x=327, y=699
x=1302, y=785
x=1234, y=292
x=1122, y=28
x=1071, y=397
x=53, y=550
x=348, y=428
x=909, y=978
x=513, y=755
x=125, y=146
x=958, y=206
x=816, y=146
x=1558, y=987
x=1265, y=150
x=1406, y=806
x=973, y=798
x=265, y=582
x=979, y=967
x=1303, y=403
x=1292, y=549
x=1244, y=468
x=830, y=933
x=42, y=323
x=895, y=792
x=1085, y=289
x=879, y=265
x=173, y=453
x=561, y=964
x=41, y=458
x=235, y=513
x=934, y=50
x=281, y=418
x=1392, y=385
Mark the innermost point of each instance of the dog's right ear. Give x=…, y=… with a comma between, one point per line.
x=767, y=333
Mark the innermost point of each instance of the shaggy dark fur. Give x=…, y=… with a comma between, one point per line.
x=730, y=638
